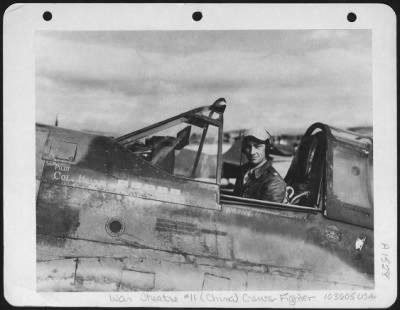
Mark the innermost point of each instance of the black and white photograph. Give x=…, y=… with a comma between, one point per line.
x=213, y=160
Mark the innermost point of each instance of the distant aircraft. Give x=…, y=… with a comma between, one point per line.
x=362, y=130
x=118, y=215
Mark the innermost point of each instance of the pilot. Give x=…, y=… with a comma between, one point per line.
x=258, y=179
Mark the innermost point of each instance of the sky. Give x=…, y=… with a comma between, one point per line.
x=283, y=80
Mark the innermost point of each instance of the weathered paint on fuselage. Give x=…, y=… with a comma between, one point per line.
x=172, y=233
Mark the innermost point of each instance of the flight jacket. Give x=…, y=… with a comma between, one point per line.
x=264, y=183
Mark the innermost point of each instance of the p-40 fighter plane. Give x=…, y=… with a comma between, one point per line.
x=133, y=213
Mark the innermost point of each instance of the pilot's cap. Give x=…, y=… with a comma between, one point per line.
x=258, y=133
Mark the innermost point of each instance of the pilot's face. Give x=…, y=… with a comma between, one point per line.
x=254, y=151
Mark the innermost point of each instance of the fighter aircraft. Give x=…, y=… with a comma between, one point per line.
x=123, y=214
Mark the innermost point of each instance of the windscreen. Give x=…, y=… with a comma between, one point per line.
x=185, y=149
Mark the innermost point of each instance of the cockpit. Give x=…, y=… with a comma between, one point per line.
x=331, y=170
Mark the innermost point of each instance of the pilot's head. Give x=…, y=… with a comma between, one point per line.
x=256, y=145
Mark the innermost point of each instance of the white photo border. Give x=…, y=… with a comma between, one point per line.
x=21, y=21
